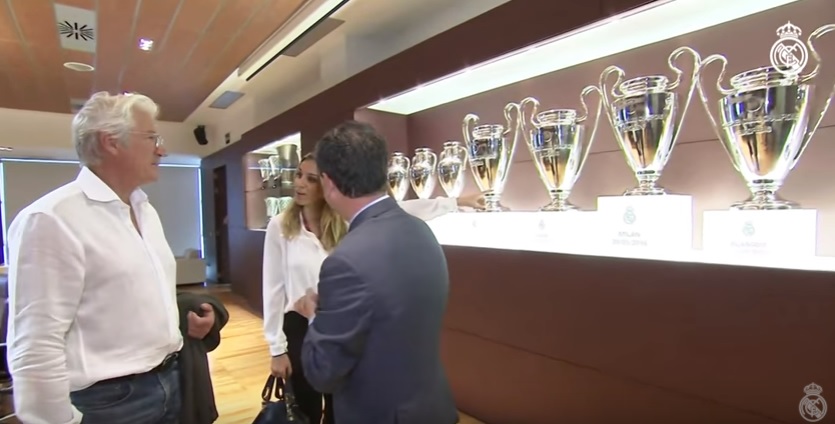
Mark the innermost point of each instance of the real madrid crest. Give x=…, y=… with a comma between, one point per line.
x=748, y=229
x=788, y=54
x=629, y=216
x=813, y=406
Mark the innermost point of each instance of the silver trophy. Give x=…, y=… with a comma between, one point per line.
x=452, y=167
x=646, y=114
x=422, y=172
x=559, y=141
x=264, y=167
x=288, y=164
x=275, y=170
x=490, y=149
x=398, y=176
x=767, y=117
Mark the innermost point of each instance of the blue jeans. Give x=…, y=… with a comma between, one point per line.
x=151, y=398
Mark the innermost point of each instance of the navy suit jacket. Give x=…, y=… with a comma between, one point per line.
x=375, y=341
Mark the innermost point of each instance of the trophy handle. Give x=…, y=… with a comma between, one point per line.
x=508, y=116
x=470, y=121
x=408, y=163
x=711, y=102
x=606, y=92
x=434, y=157
x=694, y=75
x=589, y=138
x=821, y=100
x=524, y=121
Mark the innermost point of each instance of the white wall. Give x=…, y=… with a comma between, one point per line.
x=46, y=135
x=176, y=195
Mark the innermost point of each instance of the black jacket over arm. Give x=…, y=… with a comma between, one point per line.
x=195, y=380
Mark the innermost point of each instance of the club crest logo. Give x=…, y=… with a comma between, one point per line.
x=788, y=54
x=748, y=229
x=813, y=405
x=629, y=216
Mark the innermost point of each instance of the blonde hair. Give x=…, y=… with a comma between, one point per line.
x=332, y=227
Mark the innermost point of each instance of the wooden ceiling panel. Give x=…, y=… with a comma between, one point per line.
x=115, y=39
x=197, y=44
x=44, y=50
x=218, y=34
x=259, y=29
x=155, y=17
x=8, y=32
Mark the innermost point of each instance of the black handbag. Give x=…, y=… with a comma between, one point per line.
x=282, y=410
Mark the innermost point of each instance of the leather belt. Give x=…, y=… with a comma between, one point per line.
x=166, y=364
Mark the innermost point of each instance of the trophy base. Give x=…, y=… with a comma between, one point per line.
x=558, y=206
x=645, y=191
x=764, y=202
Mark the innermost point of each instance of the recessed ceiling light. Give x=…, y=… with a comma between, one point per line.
x=79, y=67
x=146, y=44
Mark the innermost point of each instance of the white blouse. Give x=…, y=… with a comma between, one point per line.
x=291, y=266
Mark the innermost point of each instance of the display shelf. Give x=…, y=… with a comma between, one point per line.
x=585, y=233
x=645, y=137
x=269, y=172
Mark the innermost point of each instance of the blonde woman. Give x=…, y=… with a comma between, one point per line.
x=297, y=242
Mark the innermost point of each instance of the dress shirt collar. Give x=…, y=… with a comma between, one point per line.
x=95, y=189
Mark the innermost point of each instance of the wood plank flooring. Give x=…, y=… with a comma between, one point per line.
x=241, y=363
x=239, y=366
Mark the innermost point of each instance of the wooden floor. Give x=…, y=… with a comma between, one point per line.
x=239, y=366
x=241, y=363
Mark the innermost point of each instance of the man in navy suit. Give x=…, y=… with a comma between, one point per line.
x=374, y=337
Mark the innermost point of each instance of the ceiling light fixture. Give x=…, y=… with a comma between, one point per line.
x=308, y=16
x=146, y=44
x=79, y=67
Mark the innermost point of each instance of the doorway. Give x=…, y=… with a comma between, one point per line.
x=221, y=230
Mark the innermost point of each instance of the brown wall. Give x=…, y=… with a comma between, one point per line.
x=540, y=338
x=543, y=338
x=439, y=56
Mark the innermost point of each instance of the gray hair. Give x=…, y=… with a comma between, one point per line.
x=109, y=114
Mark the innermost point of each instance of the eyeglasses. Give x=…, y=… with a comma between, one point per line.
x=158, y=140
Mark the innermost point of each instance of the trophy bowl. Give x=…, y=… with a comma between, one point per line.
x=288, y=163
x=451, y=168
x=559, y=142
x=765, y=120
x=264, y=168
x=646, y=114
x=398, y=176
x=490, y=149
x=422, y=172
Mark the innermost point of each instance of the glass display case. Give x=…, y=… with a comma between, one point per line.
x=268, y=179
x=695, y=140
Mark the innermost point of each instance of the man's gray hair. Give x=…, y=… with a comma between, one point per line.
x=109, y=114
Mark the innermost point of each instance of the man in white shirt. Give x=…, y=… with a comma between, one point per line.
x=93, y=322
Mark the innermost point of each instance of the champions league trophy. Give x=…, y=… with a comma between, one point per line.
x=264, y=167
x=559, y=141
x=422, y=172
x=490, y=148
x=288, y=164
x=275, y=170
x=451, y=168
x=398, y=176
x=646, y=114
x=768, y=115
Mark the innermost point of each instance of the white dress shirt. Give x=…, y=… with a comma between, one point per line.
x=291, y=266
x=90, y=297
